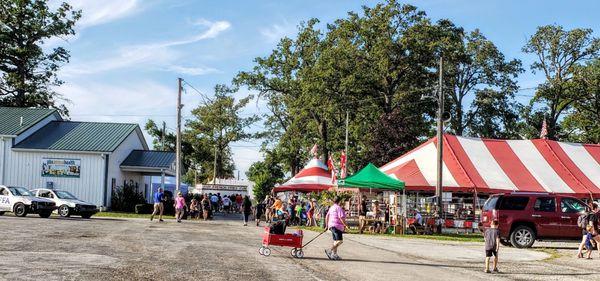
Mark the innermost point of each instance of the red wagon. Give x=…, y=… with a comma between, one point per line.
x=284, y=240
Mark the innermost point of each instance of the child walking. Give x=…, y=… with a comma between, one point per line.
x=180, y=206
x=589, y=241
x=492, y=244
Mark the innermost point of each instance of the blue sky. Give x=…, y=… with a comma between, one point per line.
x=127, y=54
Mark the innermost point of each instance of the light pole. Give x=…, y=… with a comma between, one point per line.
x=178, y=145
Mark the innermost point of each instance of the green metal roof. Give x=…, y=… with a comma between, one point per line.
x=10, y=118
x=149, y=159
x=78, y=136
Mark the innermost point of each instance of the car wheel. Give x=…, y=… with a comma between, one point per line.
x=522, y=237
x=86, y=216
x=2, y=213
x=45, y=214
x=64, y=211
x=20, y=210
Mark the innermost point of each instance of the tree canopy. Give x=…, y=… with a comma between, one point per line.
x=28, y=71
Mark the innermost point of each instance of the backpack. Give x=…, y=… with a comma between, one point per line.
x=583, y=220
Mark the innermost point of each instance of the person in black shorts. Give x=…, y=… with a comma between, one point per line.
x=492, y=244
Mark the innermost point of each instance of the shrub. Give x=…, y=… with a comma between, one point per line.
x=144, y=208
x=125, y=198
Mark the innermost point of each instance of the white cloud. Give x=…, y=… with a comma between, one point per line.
x=94, y=13
x=100, y=12
x=193, y=71
x=275, y=32
x=160, y=54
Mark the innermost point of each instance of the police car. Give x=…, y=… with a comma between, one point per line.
x=67, y=203
x=21, y=202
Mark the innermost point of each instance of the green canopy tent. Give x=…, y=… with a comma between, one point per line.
x=371, y=178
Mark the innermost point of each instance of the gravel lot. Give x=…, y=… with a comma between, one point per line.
x=133, y=249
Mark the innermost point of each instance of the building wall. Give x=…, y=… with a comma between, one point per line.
x=132, y=142
x=24, y=168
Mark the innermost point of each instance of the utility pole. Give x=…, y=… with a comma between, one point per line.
x=178, y=145
x=440, y=140
x=162, y=140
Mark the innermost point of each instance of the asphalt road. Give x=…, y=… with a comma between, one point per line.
x=133, y=249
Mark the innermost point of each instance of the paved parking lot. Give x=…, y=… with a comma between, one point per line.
x=133, y=249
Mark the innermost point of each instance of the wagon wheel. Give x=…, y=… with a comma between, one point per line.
x=267, y=252
x=299, y=254
x=293, y=252
x=261, y=250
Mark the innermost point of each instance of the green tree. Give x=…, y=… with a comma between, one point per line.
x=214, y=126
x=265, y=175
x=559, y=52
x=582, y=124
x=28, y=71
x=477, y=69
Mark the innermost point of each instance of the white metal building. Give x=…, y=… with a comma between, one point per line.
x=88, y=159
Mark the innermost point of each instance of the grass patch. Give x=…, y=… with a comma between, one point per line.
x=554, y=254
x=475, y=237
x=128, y=215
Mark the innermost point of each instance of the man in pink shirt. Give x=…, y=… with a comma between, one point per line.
x=336, y=223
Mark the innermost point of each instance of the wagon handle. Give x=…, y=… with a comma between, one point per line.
x=314, y=238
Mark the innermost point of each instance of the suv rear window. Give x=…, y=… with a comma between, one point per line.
x=490, y=204
x=514, y=203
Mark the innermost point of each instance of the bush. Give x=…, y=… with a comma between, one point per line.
x=144, y=208
x=125, y=198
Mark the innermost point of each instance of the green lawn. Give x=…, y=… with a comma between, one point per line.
x=476, y=237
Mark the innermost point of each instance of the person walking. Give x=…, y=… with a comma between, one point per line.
x=214, y=200
x=492, y=245
x=159, y=208
x=205, y=207
x=180, y=206
x=246, y=209
x=259, y=210
x=336, y=223
x=310, y=213
x=362, y=214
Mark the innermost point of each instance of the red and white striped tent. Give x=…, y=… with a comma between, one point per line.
x=314, y=177
x=491, y=166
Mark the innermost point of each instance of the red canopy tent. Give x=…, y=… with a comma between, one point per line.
x=314, y=177
x=491, y=166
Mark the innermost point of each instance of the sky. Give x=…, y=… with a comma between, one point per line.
x=126, y=55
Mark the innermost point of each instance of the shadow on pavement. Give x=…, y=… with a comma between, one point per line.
x=395, y=262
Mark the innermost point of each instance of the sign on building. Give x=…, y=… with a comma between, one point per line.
x=61, y=167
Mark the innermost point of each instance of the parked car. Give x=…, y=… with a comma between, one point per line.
x=67, y=203
x=21, y=202
x=526, y=217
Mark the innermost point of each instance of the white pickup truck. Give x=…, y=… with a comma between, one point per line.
x=21, y=202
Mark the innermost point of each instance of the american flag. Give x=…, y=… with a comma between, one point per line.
x=314, y=151
x=333, y=169
x=544, y=131
x=343, y=168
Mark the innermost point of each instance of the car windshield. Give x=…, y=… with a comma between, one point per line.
x=19, y=191
x=64, y=195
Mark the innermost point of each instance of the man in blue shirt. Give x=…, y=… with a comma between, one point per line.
x=159, y=207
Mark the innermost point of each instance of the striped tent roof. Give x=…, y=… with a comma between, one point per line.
x=314, y=177
x=490, y=165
